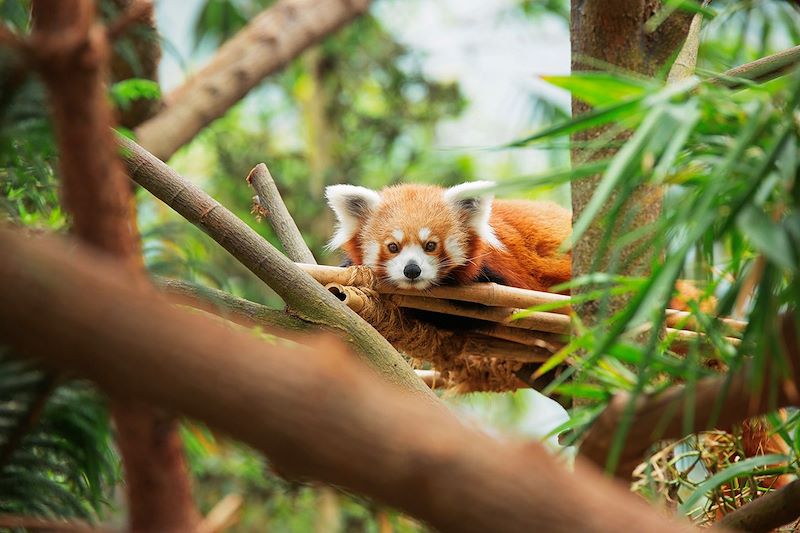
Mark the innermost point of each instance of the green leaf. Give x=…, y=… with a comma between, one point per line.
x=602, y=88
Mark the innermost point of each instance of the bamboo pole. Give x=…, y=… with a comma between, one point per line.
x=551, y=341
x=490, y=294
x=487, y=294
x=539, y=321
x=480, y=346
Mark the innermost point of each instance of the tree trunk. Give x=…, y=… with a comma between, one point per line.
x=72, y=56
x=612, y=33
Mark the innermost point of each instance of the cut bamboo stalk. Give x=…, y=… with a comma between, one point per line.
x=539, y=321
x=490, y=294
x=551, y=341
x=431, y=378
x=682, y=336
x=506, y=350
x=352, y=298
x=487, y=294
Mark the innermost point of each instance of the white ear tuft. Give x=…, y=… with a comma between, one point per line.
x=474, y=201
x=352, y=205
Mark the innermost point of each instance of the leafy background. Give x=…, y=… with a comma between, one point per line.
x=387, y=100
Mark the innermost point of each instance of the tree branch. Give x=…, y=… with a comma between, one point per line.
x=239, y=310
x=301, y=293
x=664, y=416
x=761, y=70
x=270, y=204
x=314, y=412
x=766, y=512
x=264, y=46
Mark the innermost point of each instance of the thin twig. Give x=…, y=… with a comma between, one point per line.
x=235, y=309
x=270, y=204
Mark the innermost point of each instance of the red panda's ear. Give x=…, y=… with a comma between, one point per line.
x=352, y=205
x=473, y=200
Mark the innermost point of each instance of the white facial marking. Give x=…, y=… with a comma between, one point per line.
x=398, y=235
x=371, y=252
x=413, y=253
x=455, y=250
x=424, y=233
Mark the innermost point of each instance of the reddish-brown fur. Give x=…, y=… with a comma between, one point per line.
x=531, y=232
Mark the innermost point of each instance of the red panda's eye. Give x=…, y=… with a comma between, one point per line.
x=393, y=247
x=430, y=246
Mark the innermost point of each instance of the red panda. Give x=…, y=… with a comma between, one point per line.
x=417, y=236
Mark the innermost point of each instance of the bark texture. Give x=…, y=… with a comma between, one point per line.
x=612, y=35
x=71, y=52
x=316, y=412
x=269, y=42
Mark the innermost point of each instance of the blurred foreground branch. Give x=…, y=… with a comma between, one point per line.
x=316, y=412
x=71, y=53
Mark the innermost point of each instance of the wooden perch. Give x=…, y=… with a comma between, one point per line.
x=539, y=321
x=270, y=205
x=490, y=294
x=664, y=416
x=301, y=293
x=316, y=413
x=264, y=46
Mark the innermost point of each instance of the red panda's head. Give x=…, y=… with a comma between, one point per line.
x=413, y=235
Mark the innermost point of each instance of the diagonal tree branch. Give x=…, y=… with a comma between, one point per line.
x=300, y=291
x=316, y=412
x=264, y=46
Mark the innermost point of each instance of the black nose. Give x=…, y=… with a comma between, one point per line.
x=412, y=271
